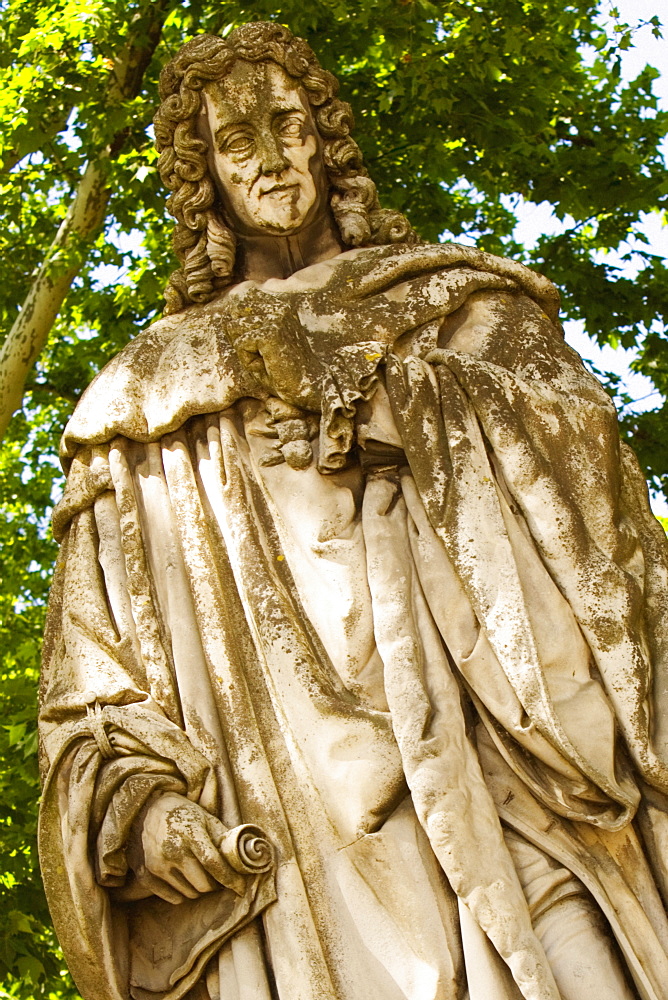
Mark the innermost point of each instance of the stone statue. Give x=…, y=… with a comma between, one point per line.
x=356, y=672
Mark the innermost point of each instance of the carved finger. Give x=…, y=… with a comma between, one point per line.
x=196, y=874
x=180, y=883
x=159, y=887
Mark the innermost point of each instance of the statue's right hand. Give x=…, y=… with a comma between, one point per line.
x=177, y=854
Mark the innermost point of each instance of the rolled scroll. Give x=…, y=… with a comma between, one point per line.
x=247, y=850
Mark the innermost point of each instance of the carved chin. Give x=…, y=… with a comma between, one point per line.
x=284, y=211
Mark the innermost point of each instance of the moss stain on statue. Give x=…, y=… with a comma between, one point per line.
x=353, y=566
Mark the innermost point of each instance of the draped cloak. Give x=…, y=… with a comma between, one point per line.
x=451, y=622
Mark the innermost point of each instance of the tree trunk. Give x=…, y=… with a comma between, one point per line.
x=85, y=215
x=49, y=289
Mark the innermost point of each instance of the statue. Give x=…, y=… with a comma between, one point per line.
x=355, y=677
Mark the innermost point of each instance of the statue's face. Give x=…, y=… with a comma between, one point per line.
x=265, y=153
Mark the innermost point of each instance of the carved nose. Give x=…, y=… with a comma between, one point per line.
x=272, y=156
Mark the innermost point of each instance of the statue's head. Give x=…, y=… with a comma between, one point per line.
x=253, y=141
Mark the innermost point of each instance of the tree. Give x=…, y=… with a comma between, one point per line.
x=461, y=108
x=85, y=214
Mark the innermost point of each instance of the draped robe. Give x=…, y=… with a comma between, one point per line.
x=450, y=624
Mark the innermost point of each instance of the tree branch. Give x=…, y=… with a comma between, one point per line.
x=85, y=215
x=39, y=139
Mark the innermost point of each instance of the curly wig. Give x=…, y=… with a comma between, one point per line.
x=203, y=243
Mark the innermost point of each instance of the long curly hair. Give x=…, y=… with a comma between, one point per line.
x=203, y=243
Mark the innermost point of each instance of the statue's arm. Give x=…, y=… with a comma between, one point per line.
x=141, y=787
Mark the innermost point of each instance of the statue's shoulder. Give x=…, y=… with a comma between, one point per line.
x=369, y=269
x=180, y=366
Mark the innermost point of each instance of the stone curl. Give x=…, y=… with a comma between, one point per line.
x=202, y=242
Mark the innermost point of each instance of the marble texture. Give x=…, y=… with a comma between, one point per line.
x=355, y=671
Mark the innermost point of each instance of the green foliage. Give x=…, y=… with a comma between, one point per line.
x=461, y=107
x=30, y=963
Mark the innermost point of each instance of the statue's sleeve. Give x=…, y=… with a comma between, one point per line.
x=111, y=736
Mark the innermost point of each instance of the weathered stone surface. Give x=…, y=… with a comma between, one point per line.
x=355, y=676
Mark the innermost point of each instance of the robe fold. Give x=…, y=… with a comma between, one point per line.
x=357, y=557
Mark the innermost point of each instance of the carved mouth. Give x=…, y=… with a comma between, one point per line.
x=280, y=188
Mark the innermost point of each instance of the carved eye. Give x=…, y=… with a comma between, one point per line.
x=291, y=128
x=238, y=143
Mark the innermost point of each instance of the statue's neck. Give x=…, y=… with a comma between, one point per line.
x=262, y=257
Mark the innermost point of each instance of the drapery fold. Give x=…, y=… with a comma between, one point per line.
x=515, y=576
